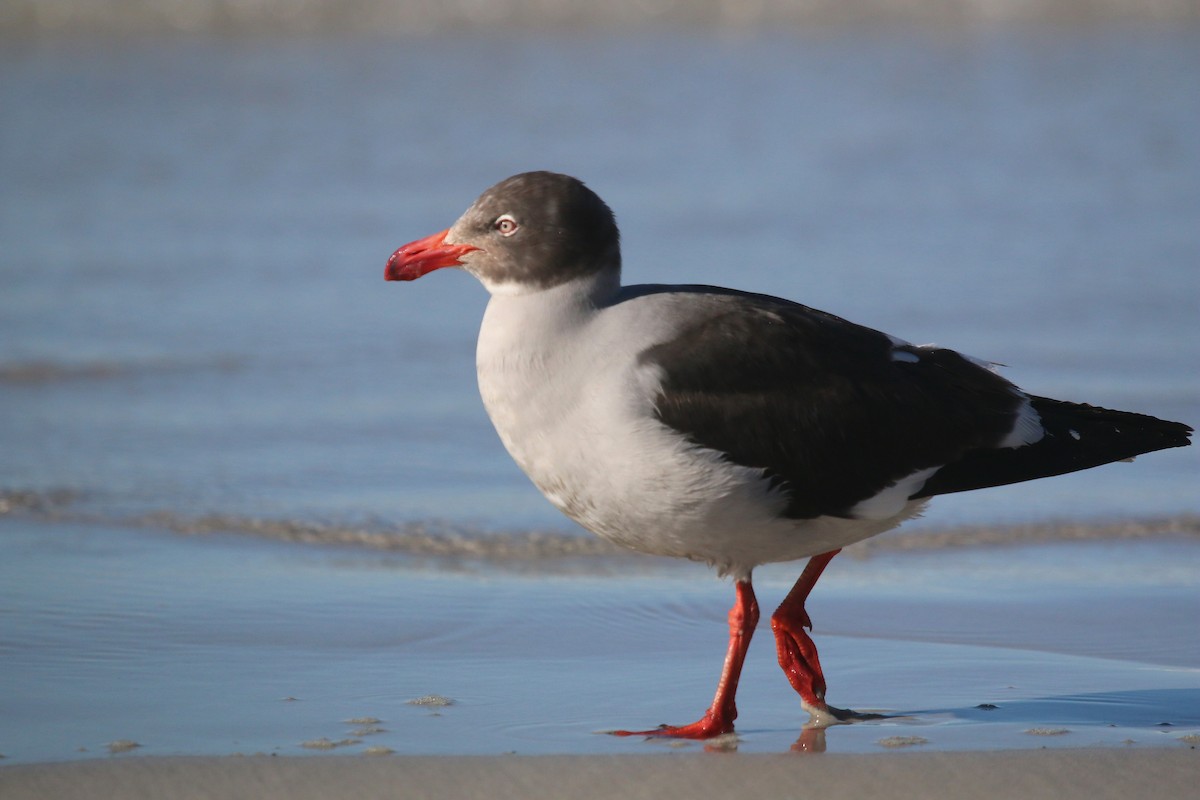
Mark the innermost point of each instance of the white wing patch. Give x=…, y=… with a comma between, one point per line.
x=1027, y=428
x=890, y=501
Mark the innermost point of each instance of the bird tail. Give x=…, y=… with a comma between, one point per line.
x=1077, y=436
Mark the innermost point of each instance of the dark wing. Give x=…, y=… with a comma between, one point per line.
x=834, y=412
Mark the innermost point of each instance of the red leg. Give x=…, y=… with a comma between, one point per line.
x=719, y=717
x=797, y=653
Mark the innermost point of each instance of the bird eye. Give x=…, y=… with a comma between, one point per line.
x=505, y=225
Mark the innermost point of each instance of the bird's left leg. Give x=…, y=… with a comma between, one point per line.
x=796, y=651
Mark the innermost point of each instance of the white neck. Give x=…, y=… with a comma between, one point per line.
x=597, y=286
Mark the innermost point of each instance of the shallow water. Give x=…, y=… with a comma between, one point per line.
x=263, y=647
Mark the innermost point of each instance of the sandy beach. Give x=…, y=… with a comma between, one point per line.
x=1064, y=775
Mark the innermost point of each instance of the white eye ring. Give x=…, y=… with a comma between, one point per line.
x=505, y=225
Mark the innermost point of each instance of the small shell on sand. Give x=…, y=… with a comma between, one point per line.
x=368, y=730
x=327, y=744
x=378, y=750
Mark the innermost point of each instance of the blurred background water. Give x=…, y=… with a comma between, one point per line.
x=197, y=200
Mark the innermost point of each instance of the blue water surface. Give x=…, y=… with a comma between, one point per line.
x=194, y=318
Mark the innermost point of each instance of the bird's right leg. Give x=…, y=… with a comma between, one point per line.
x=719, y=717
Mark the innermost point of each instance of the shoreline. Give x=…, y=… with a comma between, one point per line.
x=434, y=539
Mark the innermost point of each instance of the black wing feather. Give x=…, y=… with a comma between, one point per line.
x=819, y=403
x=1078, y=436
